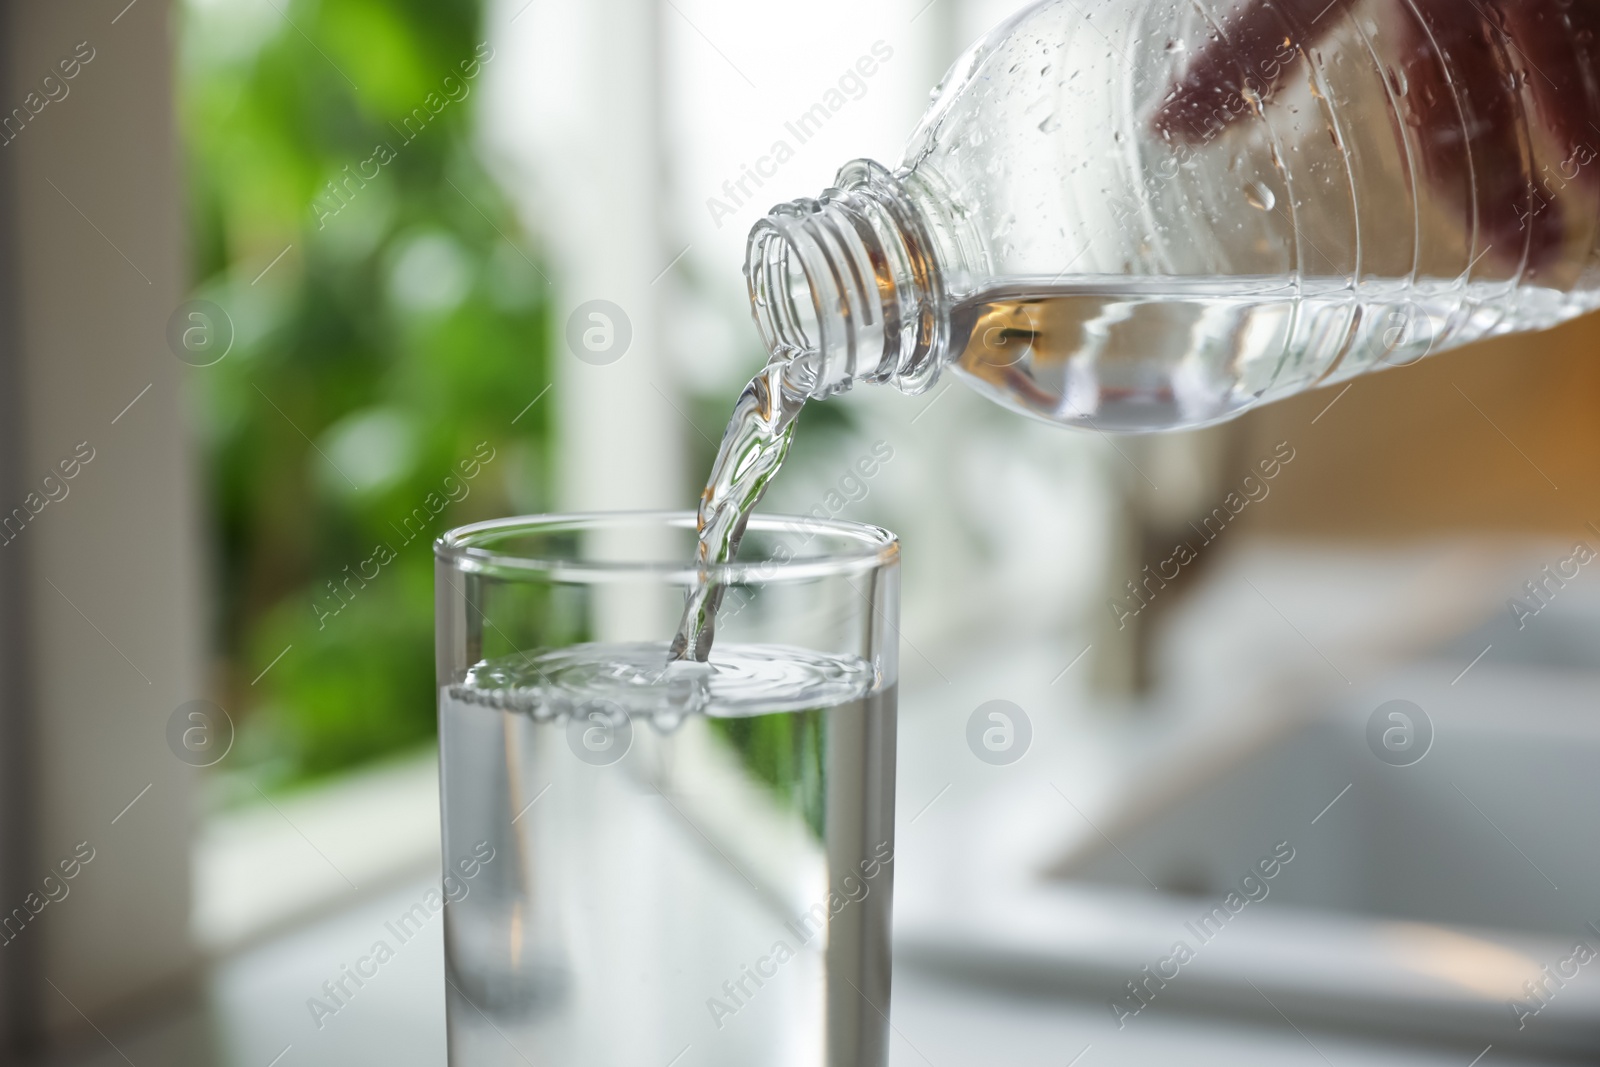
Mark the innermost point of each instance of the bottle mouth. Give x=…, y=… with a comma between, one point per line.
x=811, y=294
x=781, y=294
x=851, y=281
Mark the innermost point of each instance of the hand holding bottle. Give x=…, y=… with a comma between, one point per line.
x=1458, y=71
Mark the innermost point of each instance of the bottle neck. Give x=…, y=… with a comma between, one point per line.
x=851, y=284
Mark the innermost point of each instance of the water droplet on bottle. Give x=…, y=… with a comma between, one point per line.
x=1049, y=125
x=1176, y=46
x=1260, y=196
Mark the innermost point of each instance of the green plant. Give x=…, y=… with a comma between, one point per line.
x=390, y=327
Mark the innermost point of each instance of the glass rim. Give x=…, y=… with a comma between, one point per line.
x=859, y=547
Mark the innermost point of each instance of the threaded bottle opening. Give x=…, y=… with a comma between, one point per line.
x=850, y=279
x=781, y=296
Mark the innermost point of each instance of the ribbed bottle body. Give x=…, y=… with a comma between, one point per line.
x=1182, y=211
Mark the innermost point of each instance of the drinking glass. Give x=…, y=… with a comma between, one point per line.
x=648, y=865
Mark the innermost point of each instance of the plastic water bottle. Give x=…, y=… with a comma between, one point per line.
x=1135, y=215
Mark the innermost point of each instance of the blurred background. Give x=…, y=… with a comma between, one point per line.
x=293, y=286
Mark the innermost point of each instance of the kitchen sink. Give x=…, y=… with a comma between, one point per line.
x=1435, y=875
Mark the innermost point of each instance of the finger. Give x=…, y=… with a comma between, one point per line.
x=1560, y=46
x=1468, y=126
x=1251, y=56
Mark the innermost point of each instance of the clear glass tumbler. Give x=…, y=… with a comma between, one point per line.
x=648, y=865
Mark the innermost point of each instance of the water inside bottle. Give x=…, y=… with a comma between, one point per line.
x=1174, y=353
